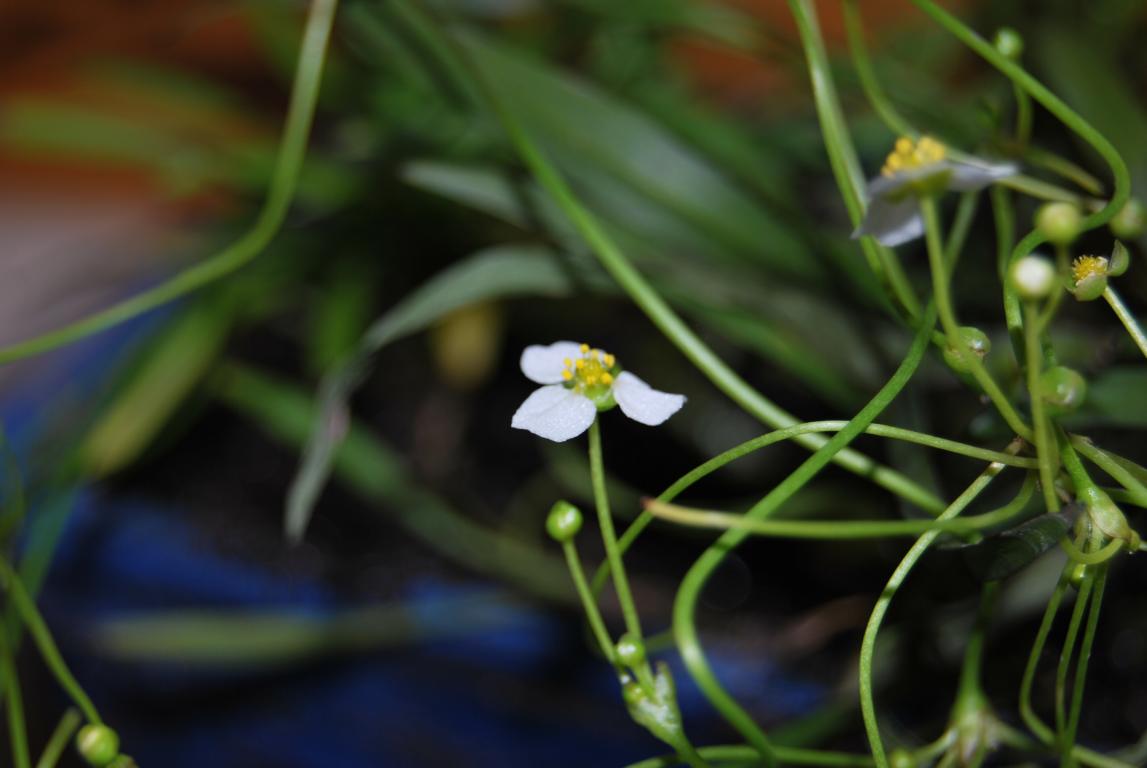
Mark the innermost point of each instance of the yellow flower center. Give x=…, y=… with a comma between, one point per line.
x=910, y=154
x=1088, y=266
x=592, y=373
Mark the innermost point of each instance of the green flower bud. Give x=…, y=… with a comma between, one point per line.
x=1062, y=389
x=973, y=339
x=1078, y=571
x=1120, y=260
x=1131, y=221
x=1033, y=278
x=97, y=744
x=1009, y=43
x=901, y=758
x=630, y=651
x=632, y=692
x=563, y=522
x=1060, y=223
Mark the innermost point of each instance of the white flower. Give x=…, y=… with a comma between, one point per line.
x=579, y=381
x=916, y=168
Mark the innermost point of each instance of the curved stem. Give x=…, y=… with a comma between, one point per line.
x=689, y=592
x=788, y=755
x=1078, y=611
x=970, y=692
x=952, y=328
x=1034, y=724
x=1102, y=555
x=608, y=535
x=1118, y=472
x=869, y=83
x=43, y=638
x=304, y=95
x=1128, y=320
x=59, y=739
x=1084, y=656
x=868, y=643
x=837, y=530
x=878, y=430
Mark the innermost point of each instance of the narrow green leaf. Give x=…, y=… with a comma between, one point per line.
x=1000, y=555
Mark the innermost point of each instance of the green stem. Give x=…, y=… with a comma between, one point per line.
x=17, y=730
x=589, y=604
x=1078, y=611
x=958, y=234
x=868, y=643
x=60, y=739
x=952, y=328
x=684, y=626
x=1023, y=116
x=1034, y=724
x=1084, y=657
x=1101, y=555
x=1044, y=439
x=1128, y=320
x=304, y=95
x=43, y=638
x=879, y=430
x=970, y=690
x=837, y=530
x=608, y=535
x=869, y=83
x=842, y=155
x=1112, y=467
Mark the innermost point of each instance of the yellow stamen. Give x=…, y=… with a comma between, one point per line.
x=607, y=378
x=567, y=374
x=590, y=380
x=1088, y=266
x=584, y=348
x=608, y=360
x=908, y=154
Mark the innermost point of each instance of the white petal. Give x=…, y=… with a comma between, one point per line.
x=555, y=413
x=544, y=364
x=892, y=224
x=970, y=175
x=642, y=403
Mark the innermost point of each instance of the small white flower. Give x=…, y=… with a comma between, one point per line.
x=916, y=168
x=579, y=381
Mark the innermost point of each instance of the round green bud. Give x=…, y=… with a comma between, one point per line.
x=901, y=758
x=97, y=744
x=1009, y=43
x=974, y=340
x=1078, y=571
x=1131, y=220
x=1033, y=278
x=632, y=692
x=1062, y=389
x=1060, y=223
x=563, y=522
x=630, y=651
x=1119, y=261
x=123, y=761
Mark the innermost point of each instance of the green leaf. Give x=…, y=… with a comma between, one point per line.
x=1000, y=555
x=515, y=270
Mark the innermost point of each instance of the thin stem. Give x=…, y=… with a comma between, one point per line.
x=952, y=328
x=1128, y=320
x=869, y=83
x=17, y=730
x=958, y=233
x=589, y=605
x=878, y=430
x=1101, y=555
x=1023, y=116
x=1044, y=439
x=834, y=530
x=868, y=643
x=292, y=149
x=970, y=671
x=684, y=626
x=59, y=739
x=1078, y=611
x=608, y=535
x=1034, y=724
x=1084, y=657
x=43, y=638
